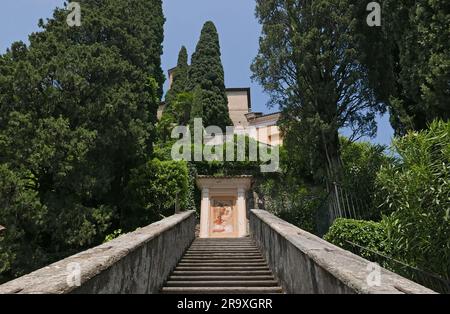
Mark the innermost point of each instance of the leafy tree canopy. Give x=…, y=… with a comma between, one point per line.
x=77, y=113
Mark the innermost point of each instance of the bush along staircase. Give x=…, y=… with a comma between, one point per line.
x=233, y=266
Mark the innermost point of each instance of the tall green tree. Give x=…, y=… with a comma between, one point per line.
x=180, y=83
x=408, y=58
x=178, y=101
x=207, y=73
x=307, y=62
x=77, y=113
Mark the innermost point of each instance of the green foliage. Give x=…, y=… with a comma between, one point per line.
x=117, y=233
x=290, y=195
x=23, y=214
x=409, y=60
x=182, y=107
x=77, y=113
x=367, y=234
x=153, y=191
x=295, y=203
x=180, y=83
x=177, y=114
x=178, y=101
x=361, y=163
x=307, y=62
x=164, y=127
x=198, y=108
x=294, y=196
x=417, y=194
x=207, y=74
x=224, y=167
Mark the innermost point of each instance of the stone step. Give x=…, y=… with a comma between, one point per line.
x=224, y=250
x=223, y=283
x=223, y=245
x=234, y=240
x=206, y=241
x=224, y=268
x=220, y=260
x=221, y=278
x=208, y=253
x=221, y=248
x=222, y=290
x=222, y=253
x=221, y=273
x=207, y=264
x=222, y=256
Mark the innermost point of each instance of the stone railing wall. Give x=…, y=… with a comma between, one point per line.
x=137, y=262
x=305, y=263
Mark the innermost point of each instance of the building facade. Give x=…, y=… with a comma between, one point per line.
x=259, y=126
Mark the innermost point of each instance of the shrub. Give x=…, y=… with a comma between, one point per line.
x=153, y=191
x=361, y=163
x=369, y=234
x=417, y=194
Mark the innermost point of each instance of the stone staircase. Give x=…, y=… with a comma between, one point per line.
x=221, y=266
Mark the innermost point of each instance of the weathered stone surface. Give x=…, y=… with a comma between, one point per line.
x=218, y=275
x=138, y=262
x=304, y=263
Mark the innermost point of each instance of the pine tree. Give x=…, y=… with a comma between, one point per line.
x=207, y=73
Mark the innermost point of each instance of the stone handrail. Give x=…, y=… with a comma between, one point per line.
x=137, y=262
x=305, y=263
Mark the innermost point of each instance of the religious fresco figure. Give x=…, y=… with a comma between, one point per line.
x=222, y=215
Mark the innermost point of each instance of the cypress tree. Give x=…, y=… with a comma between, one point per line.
x=207, y=73
x=197, y=109
x=408, y=59
x=180, y=82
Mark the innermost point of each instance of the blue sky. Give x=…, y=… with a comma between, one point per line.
x=235, y=20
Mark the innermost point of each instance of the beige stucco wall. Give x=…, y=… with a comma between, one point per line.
x=238, y=106
x=267, y=130
x=160, y=111
x=269, y=135
x=170, y=77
